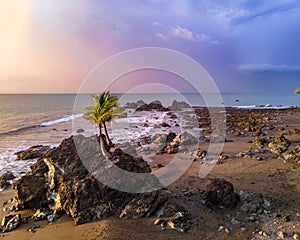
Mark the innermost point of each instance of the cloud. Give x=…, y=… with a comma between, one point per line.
x=247, y=14
x=161, y=36
x=185, y=34
x=237, y=12
x=268, y=68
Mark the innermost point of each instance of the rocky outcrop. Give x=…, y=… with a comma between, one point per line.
x=32, y=152
x=60, y=182
x=155, y=105
x=134, y=105
x=256, y=203
x=279, y=144
x=178, y=106
x=221, y=193
x=267, y=147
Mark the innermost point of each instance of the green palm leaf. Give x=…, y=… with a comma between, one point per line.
x=104, y=107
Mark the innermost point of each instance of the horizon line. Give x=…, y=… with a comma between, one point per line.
x=74, y=93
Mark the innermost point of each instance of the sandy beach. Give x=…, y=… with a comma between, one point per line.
x=276, y=178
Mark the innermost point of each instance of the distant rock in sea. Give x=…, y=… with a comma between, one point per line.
x=155, y=105
x=178, y=106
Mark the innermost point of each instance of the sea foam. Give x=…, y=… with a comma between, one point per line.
x=61, y=120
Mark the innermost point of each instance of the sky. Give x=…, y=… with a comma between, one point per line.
x=50, y=46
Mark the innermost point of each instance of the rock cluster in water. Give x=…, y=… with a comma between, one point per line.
x=155, y=105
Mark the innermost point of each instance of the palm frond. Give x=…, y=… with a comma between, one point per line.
x=103, y=108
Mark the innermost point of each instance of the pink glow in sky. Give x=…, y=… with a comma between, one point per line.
x=50, y=46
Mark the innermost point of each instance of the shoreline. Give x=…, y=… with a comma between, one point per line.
x=276, y=178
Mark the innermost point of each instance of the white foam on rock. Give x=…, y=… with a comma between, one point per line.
x=8, y=162
x=267, y=106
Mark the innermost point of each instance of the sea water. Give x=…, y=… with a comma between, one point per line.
x=31, y=119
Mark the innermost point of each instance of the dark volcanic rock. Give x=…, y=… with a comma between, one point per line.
x=155, y=105
x=31, y=189
x=170, y=137
x=177, y=106
x=144, y=205
x=221, y=192
x=80, y=130
x=61, y=182
x=256, y=203
x=11, y=222
x=134, y=105
x=32, y=152
x=164, y=124
x=5, y=178
x=175, y=217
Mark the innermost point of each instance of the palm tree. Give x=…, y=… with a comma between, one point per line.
x=297, y=91
x=114, y=101
x=99, y=112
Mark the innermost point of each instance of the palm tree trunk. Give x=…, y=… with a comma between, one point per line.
x=102, y=147
x=108, y=141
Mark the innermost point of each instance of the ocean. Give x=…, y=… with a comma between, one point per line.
x=31, y=119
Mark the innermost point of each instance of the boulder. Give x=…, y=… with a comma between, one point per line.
x=60, y=182
x=11, y=222
x=32, y=152
x=5, y=180
x=170, y=137
x=166, y=125
x=221, y=193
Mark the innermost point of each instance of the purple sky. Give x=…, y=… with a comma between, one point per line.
x=245, y=45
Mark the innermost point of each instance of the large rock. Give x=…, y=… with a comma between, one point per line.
x=155, y=105
x=221, y=192
x=60, y=181
x=31, y=189
x=5, y=180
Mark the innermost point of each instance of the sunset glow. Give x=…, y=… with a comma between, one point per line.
x=51, y=46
